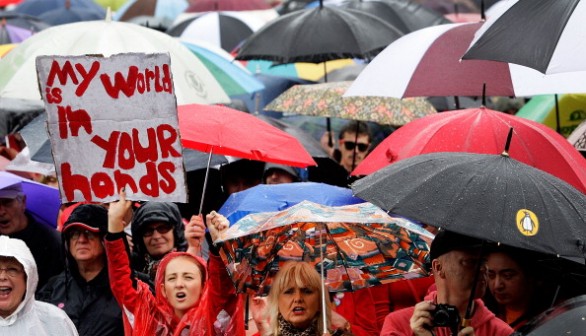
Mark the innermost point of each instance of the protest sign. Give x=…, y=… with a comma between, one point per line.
x=113, y=124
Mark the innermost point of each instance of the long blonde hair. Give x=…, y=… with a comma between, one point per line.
x=302, y=274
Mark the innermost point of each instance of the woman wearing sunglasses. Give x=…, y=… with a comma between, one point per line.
x=157, y=229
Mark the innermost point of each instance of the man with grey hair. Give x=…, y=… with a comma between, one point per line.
x=43, y=241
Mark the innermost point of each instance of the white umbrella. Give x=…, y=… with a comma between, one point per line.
x=428, y=62
x=193, y=82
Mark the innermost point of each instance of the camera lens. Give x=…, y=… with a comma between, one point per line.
x=441, y=318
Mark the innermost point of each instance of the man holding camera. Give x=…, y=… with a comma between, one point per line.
x=455, y=264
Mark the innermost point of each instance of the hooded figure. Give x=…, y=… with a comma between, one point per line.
x=149, y=213
x=30, y=317
x=85, y=294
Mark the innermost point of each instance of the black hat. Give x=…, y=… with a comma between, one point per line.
x=91, y=217
x=447, y=241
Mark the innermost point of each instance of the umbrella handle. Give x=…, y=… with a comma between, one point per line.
x=205, y=182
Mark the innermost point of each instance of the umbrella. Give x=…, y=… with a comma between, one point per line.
x=491, y=197
x=360, y=246
x=192, y=81
x=566, y=318
x=318, y=35
x=164, y=9
x=234, y=78
x=16, y=113
x=113, y=4
x=68, y=14
x=325, y=100
x=549, y=48
x=221, y=130
x=226, y=5
x=15, y=28
x=306, y=71
x=427, y=63
x=406, y=16
x=347, y=73
x=225, y=30
x=562, y=113
x=310, y=144
x=483, y=131
x=277, y=197
x=38, y=7
x=42, y=201
x=578, y=137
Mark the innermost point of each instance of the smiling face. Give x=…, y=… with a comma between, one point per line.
x=12, y=216
x=299, y=305
x=12, y=285
x=182, y=284
x=158, y=238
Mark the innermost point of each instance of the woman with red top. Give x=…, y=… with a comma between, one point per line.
x=190, y=298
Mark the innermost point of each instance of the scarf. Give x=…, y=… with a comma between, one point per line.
x=287, y=329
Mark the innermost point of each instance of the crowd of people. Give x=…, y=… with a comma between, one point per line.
x=145, y=268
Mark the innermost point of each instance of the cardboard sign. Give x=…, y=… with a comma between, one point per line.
x=113, y=124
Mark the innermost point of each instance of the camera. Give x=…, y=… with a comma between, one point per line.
x=446, y=316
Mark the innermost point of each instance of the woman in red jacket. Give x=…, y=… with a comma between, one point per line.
x=190, y=298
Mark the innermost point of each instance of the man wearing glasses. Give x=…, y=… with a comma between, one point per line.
x=353, y=142
x=83, y=289
x=43, y=241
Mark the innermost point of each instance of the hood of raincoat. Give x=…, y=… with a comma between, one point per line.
x=16, y=248
x=157, y=212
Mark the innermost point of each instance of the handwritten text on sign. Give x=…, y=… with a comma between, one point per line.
x=113, y=124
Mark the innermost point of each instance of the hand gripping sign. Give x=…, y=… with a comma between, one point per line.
x=113, y=124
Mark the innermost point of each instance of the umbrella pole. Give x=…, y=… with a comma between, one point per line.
x=355, y=146
x=328, y=122
x=323, y=285
x=205, y=182
x=558, y=127
x=457, y=102
x=469, y=308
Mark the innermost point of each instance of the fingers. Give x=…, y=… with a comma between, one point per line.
x=468, y=331
x=421, y=320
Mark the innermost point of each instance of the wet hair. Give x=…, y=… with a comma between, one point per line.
x=302, y=274
x=352, y=126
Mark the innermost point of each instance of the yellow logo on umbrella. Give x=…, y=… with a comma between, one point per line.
x=527, y=222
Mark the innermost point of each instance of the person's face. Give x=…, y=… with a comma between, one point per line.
x=460, y=268
x=299, y=306
x=507, y=281
x=12, y=217
x=84, y=245
x=347, y=147
x=182, y=285
x=158, y=238
x=277, y=176
x=12, y=285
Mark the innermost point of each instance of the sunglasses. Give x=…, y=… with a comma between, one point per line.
x=75, y=234
x=162, y=229
x=362, y=147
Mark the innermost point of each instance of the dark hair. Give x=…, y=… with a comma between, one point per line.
x=352, y=126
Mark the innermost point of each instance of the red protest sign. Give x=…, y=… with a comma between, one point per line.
x=113, y=124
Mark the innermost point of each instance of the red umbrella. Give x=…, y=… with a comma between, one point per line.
x=226, y=5
x=484, y=131
x=226, y=131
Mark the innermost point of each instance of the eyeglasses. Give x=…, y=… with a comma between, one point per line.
x=74, y=234
x=12, y=272
x=362, y=147
x=7, y=202
x=162, y=229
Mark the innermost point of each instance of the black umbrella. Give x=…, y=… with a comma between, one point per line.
x=491, y=197
x=550, y=33
x=567, y=318
x=319, y=34
x=407, y=16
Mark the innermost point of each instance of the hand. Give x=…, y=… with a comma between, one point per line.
x=258, y=310
x=421, y=320
x=338, y=321
x=468, y=331
x=194, y=233
x=324, y=142
x=117, y=212
x=217, y=225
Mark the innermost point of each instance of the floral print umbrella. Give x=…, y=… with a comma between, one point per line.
x=359, y=245
x=326, y=100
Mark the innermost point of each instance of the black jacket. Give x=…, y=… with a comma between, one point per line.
x=90, y=305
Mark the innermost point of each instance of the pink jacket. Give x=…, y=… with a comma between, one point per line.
x=484, y=322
